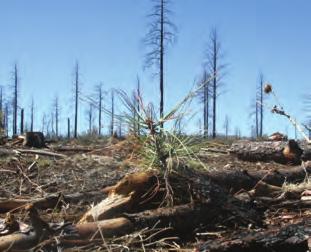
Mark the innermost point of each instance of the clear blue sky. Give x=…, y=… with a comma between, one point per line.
x=45, y=38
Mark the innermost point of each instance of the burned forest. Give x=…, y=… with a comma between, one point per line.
x=126, y=126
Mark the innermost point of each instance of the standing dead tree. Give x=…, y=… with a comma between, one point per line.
x=204, y=96
x=15, y=99
x=237, y=133
x=76, y=98
x=22, y=121
x=112, y=113
x=44, y=125
x=257, y=108
x=90, y=117
x=68, y=128
x=6, y=118
x=213, y=57
x=32, y=114
x=260, y=103
x=227, y=126
x=307, y=109
x=56, y=114
x=160, y=35
x=1, y=111
x=99, y=90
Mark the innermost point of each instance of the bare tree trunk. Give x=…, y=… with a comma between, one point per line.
x=56, y=105
x=15, y=101
x=52, y=125
x=1, y=109
x=90, y=117
x=120, y=128
x=161, y=34
x=6, y=119
x=206, y=105
x=100, y=109
x=112, y=114
x=261, y=105
x=68, y=128
x=214, y=81
x=43, y=123
x=31, y=115
x=22, y=121
x=162, y=62
x=76, y=99
x=256, y=119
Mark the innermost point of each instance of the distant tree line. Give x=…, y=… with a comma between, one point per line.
x=161, y=34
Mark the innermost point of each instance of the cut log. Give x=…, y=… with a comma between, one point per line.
x=34, y=139
x=281, y=152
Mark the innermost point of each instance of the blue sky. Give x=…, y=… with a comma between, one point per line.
x=45, y=38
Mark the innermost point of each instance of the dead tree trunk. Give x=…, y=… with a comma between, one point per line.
x=68, y=128
x=76, y=100
x=22, y=121
x=281, y=152
x=15, y=104
x=290, y=238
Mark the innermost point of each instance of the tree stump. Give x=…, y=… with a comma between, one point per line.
x=34, y=139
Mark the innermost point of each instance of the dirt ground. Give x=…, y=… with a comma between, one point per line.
x=104, y=163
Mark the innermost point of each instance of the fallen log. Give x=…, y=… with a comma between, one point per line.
x=279, y=151
x=235, y=180
x=72, y=149
x=106, y=228
x=26, y=240
x=137, y=190
x=291, y=238
x=126, y=195
x=18, y=241
x=50, y=201
x=41, y=152
x=138, y=202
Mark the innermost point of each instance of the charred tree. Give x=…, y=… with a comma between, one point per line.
x=15, y=99
x=56, y=114
x=100, y=104
x=160, y=35
x=68, y=128
x=76, y=98
x=44, y=123
x=226, y=126
x=6, y=118
x=32, y=115
x=260, y=91
x=214, y=65
x=90, y=117
x=1, y=110
x=112, y=114
x=204, y=98
x=22, y=121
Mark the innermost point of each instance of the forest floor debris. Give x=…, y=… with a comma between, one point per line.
x=212, y=211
